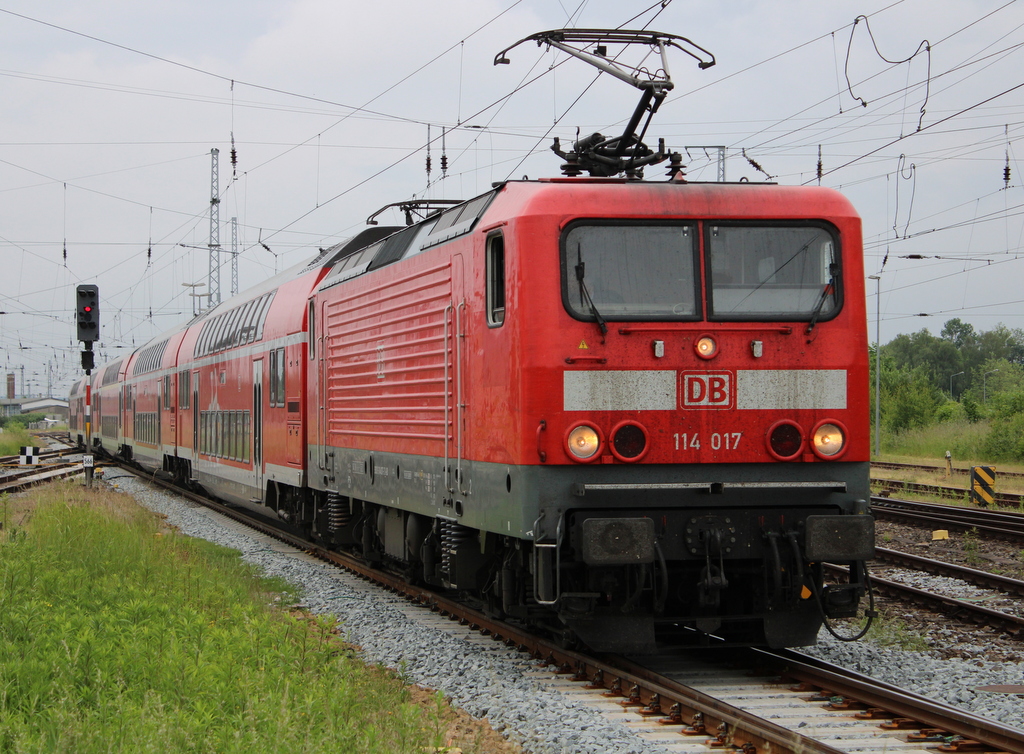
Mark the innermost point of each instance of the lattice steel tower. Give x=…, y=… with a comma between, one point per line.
x=214, y=280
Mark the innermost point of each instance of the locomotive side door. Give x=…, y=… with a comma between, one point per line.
x=257, y=425
x=318, y=341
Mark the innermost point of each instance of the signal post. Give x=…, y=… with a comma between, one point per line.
x=87, y=318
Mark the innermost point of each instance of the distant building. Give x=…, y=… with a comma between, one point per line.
x=54, y=408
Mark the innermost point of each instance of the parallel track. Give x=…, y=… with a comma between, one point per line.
x=982, y=579
x=940, y=469
x=1006, y=525
x=28, y=476
x=897, y=486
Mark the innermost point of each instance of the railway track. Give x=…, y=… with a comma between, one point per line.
x=1006, y=525
x=897, y=486
x=45, y=455
x=983, y=579
x=665, y=700
x=33, y=475
x=954, y=608
x=938, y=469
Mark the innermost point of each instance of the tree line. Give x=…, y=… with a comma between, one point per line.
x=959, y=376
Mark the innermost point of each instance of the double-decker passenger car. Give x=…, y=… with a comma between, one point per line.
x=600, y=404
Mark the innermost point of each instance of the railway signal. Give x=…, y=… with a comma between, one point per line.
x=87, y=317
x=87, y=313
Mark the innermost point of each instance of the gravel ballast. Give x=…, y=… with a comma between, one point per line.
x=490, y=680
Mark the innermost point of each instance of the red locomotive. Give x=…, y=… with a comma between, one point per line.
x=605, y=405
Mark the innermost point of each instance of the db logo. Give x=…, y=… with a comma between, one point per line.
x=706, y=389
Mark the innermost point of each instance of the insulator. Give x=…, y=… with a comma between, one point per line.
x=444, y=163
x=234, y=157
x=675, y=167
x=1006, y=175
x=571, y=167
x=428, y=164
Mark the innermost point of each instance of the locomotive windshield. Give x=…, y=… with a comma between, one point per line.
x=630, y=271
x=771, y=272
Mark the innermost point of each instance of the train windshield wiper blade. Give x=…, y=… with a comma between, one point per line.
x=584, y=293
x=828, y=290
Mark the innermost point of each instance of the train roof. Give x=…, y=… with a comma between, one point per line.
x=620, y=197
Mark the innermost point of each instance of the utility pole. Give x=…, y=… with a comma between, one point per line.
x=214, y=227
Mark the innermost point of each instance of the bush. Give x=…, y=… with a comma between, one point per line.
x=21, y=420
x=1005, y=440
x=950, y=411
x=972, y=410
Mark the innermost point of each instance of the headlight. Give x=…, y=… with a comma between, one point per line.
x=706, y=347
x=584, y=442
x=828, y=440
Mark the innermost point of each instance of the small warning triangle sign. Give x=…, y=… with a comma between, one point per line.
x=583, y=344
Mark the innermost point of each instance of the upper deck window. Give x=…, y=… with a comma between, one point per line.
x=630, y=271
x=771, y=272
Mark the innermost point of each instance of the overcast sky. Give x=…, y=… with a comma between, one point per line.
x=111, y=108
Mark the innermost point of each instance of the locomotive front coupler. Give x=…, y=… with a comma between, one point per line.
x=712, y=577
x=786, y=573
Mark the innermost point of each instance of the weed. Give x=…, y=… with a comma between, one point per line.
x=891, y=632
x=969, y=540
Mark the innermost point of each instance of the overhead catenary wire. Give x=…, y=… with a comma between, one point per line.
x=911, y=230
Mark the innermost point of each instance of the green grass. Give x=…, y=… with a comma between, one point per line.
x=116, y=637
x=12, y=438
x=964, y=440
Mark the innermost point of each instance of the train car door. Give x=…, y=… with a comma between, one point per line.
x=257, y=424
x=196, y=439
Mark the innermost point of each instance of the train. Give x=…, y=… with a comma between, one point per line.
x=611, y=407
x=624, y=411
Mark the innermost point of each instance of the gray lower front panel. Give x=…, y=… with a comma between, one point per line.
x=509, y=499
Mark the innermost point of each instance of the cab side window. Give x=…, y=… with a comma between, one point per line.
x=495, y=271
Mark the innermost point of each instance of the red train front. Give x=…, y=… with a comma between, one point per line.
x=605, y=405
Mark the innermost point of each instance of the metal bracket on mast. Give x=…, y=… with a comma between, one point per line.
x=598, y=155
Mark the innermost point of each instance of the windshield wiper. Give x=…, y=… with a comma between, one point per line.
x=828, y=290
x=584, y=293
